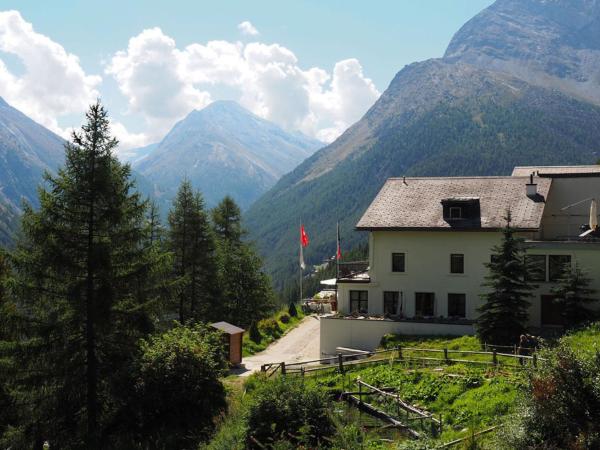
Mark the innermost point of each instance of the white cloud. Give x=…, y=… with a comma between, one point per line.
x=53, y=83
x=247, y=28
x=163, y=83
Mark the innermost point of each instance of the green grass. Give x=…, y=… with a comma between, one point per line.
x=269, y=335
x=585, y=342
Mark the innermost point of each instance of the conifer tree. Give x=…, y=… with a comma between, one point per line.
x=246, y=290
x=573, y=293
x=504, y=314
x=192, y=242
x=86, y=277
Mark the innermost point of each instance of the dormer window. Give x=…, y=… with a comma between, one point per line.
x=455, y=212
x=461, y=210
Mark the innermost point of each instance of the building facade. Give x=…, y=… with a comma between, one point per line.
x=429, y=240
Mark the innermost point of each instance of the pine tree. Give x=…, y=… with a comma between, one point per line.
x=85, y=283
x=504, y=314
x=192, y=242
x=573, y=293
x=246, y=290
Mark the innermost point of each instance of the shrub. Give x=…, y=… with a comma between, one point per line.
x=284, y=318
x=269, y=327
x=292, y=311
x=562, y=407
x=178, y=391
x=254, y=333
x=287, y=409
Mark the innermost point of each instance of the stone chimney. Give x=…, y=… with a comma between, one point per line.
x=531, y=187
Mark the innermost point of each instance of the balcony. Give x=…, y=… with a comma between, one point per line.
x=355, y=270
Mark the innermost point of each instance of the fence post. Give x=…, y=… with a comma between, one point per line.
x=283, y=368
x=341, y=363
x=446, y=355
x=399, y=352
x=514, y=349
x=494, y=358
x=263, y=368
x=485, y=346
x=534, y=360
x=302, y=371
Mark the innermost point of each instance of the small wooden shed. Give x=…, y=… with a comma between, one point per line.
x=233, y=340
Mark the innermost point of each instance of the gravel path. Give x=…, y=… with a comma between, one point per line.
x=299, y=344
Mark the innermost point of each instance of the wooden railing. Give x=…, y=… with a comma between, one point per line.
x=342, y=362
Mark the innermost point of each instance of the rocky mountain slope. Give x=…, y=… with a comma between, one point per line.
x=27, y=149
x=225, y=149
x=449, y=116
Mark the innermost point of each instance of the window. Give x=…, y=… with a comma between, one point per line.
x=359, y=301
x=398, y=262
x=457, y=305
x=390, y=303
x=424, y=302
x=457, y=263
x=455, y=212
x=556, y=265
x=537, y=267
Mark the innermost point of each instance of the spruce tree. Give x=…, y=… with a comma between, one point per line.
x=86, y=275
x=246, y=290
x=192, y=242
x=573, y=294
x=504, y=314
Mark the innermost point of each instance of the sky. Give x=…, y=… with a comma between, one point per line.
x=310, y=66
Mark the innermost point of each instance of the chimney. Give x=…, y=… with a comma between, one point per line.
x=531, y=187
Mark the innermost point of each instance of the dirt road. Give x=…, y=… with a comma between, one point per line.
x=299, y=344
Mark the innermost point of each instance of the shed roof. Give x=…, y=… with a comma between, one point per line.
x=557, y=171
x=415, y=203
x=227, y=328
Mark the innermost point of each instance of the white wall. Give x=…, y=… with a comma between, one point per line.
x=565, y=192
x=366, y=334
x=428, y=269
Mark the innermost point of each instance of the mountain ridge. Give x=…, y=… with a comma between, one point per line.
x=225, y=149
x=443, y=116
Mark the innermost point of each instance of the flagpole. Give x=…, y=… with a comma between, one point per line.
x=337, y=250
x=301, y=260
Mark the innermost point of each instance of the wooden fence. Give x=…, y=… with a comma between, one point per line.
x=342, y=362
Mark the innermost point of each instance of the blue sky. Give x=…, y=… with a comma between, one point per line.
x=370, y=40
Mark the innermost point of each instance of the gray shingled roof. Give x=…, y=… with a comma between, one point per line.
x=227, y=327
x=549, y=171
x=415, y=203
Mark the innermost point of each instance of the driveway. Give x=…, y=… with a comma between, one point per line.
x=299, y=344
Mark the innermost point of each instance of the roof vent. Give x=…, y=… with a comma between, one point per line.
x=531, y=188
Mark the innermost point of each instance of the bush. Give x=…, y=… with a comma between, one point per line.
x=292, y=311
x=254, y=333
x=562, y=407
x=269, y=327
x=178, y=391
x=287, y=409
x=284, y=318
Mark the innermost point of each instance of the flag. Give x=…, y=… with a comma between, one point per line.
x=302, y=265
x=303, y=236
x=338, y=253
x=303, y=243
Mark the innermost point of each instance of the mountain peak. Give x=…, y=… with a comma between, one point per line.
x=550, y=43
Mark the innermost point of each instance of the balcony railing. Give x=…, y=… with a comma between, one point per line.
x=347, y=269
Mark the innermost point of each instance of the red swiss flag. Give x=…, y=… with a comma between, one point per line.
x=303, y=236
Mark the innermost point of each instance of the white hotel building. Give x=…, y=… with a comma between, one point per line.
x=430, y=237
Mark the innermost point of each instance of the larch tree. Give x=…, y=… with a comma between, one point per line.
x=192, y=242
x=573, y=294
x=87, y=288
x=246, y=290
x=504, y=313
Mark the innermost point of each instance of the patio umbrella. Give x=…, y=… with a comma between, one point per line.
x=594, y=214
